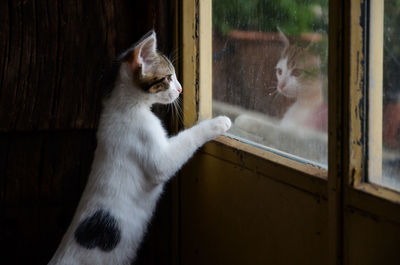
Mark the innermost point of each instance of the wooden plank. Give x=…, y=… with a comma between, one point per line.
x=54, y=54
x=43, y=183
x=234, y=215
x=46, y=167
x=43, y=180
x=46, y=79
x=375, y=200
x=306, y=177
x=370, y=240
x=338, y=124
x=190, y=62
x=357, y=109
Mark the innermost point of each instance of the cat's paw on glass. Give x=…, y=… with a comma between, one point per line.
x=221, y=124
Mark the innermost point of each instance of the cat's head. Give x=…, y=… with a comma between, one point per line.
x=147, y=73
x=298, y=70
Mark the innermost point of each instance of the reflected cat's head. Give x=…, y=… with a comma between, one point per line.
x=146, y=74
x=298, y=70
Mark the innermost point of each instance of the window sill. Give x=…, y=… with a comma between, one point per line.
x=376, y=200
x=300, y=175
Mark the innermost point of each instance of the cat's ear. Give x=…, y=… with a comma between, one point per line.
x=284, y=39
x=145, y=51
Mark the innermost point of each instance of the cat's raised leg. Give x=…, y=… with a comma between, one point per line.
x=182, y=146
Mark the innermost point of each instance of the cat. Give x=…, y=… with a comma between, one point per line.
x=133, y=159
x=298, y=73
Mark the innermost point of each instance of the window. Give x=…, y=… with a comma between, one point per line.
x=384, y=93
x=237, y=175
x=269, y=64
x=374, y=155
x=244, y=47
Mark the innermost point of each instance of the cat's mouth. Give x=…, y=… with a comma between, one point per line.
x=173, y=97
x=169, y=98
x=286, y=93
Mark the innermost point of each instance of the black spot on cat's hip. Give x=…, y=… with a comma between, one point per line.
x=99, y=230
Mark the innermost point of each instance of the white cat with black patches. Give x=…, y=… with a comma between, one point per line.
x=133, y=160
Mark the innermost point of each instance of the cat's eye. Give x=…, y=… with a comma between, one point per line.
x=297, y=72
x=168, y=77
x=279, y=71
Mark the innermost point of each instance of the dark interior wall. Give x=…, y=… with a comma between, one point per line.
x=52, y=54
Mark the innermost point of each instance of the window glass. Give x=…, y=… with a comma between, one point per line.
x=390, y=90
x=270, y=74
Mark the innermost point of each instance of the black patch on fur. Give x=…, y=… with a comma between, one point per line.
x=99, y=230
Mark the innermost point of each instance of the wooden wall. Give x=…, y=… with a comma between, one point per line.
x=236, y=208
x=52, y=54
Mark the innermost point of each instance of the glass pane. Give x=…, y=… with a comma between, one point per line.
x=389, y=18
x=270, y=74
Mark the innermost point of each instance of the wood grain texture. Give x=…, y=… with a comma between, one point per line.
x=52, y=56
x=235, y=215
x=42, y=180
x=370, y=239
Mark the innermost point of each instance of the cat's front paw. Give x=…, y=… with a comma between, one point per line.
x=220, y=124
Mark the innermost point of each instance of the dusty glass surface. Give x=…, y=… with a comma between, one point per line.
x=270, y=74
x=390, y=175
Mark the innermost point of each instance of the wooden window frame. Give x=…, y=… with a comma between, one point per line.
x=197, y=81
x=197, y=104
x=345, y=187
x=360, y=168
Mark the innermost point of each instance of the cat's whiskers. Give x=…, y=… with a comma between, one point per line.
x=272, y=88
x=274, y=92
x=178, y=106
x=181, y=106
x=176, y=109
x=174, y=55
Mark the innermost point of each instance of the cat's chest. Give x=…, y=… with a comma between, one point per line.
x=312, y=116
x=137, y=132
x=139, y=125
x=299, y=112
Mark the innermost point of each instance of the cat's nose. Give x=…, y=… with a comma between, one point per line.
x=179, y=90
x=281, y=86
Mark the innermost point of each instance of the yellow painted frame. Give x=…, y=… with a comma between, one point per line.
x=358, y=167
x=190, y=63
x=197, y=73
x=345, y=189
x=197, y=82
x=197, y=105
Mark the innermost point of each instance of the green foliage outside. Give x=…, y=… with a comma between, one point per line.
x=292, y=16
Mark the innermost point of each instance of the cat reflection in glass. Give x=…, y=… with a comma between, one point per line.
x=298, y=72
